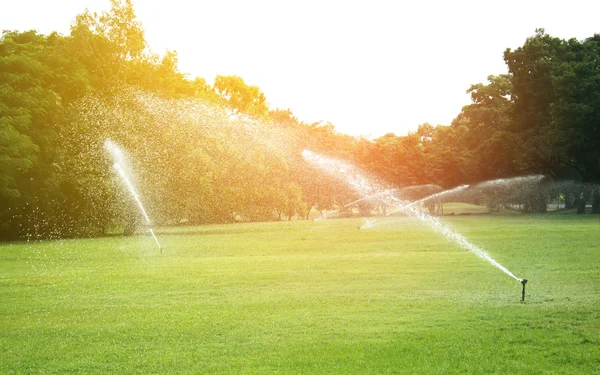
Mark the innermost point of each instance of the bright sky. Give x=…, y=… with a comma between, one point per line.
x=370, y=66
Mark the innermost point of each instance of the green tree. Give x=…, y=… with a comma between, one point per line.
x=108, y=44
x=240, y=97
x=556, y=106
x=576, y=112
x=489, y=139
x=533, y=94
x=36, y=81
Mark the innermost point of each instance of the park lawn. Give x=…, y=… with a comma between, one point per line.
x=308, y=297
x=455, y=208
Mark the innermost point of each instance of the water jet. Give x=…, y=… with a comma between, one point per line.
x=364, y=186
x=120, y=166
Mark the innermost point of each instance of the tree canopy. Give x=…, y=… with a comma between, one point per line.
x=218, y=153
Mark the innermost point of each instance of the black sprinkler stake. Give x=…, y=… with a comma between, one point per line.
x=524, y=281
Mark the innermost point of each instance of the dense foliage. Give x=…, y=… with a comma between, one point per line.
x=217, y=153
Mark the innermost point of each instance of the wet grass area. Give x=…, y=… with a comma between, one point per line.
x=306, y=297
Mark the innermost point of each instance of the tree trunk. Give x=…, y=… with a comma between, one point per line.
x=308, y=211
x=535, y=202
x=558, y=203
x=568, y=202
x=596, y=201
x=130, y=227
x=582, y=201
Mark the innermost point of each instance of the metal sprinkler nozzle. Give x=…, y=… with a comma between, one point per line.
x=523, y=281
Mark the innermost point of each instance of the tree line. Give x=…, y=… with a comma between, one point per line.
x=206, y=153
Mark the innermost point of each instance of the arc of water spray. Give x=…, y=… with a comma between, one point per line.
x=359, y=183
x=440, y=194
x=372, y=196
x=403, y=205
x=120, y=167
x=437, y=225
x=485, y=184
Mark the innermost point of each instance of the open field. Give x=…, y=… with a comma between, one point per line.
x=308, y=297
x=454, y=208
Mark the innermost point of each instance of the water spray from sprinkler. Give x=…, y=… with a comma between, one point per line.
x=120, y=166
x=365, y=187
x=366, y=224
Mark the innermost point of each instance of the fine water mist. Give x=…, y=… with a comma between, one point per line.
x=366, y=188
x=120, y=166
x=433, y=196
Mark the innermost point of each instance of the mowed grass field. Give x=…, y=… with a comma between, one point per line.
x=307, y=297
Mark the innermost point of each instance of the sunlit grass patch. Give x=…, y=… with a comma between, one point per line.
x=307, y=297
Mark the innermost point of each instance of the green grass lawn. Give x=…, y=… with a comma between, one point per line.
x=308, y=297
x=454, y=208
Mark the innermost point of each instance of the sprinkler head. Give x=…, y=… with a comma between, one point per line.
x=524, y=281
